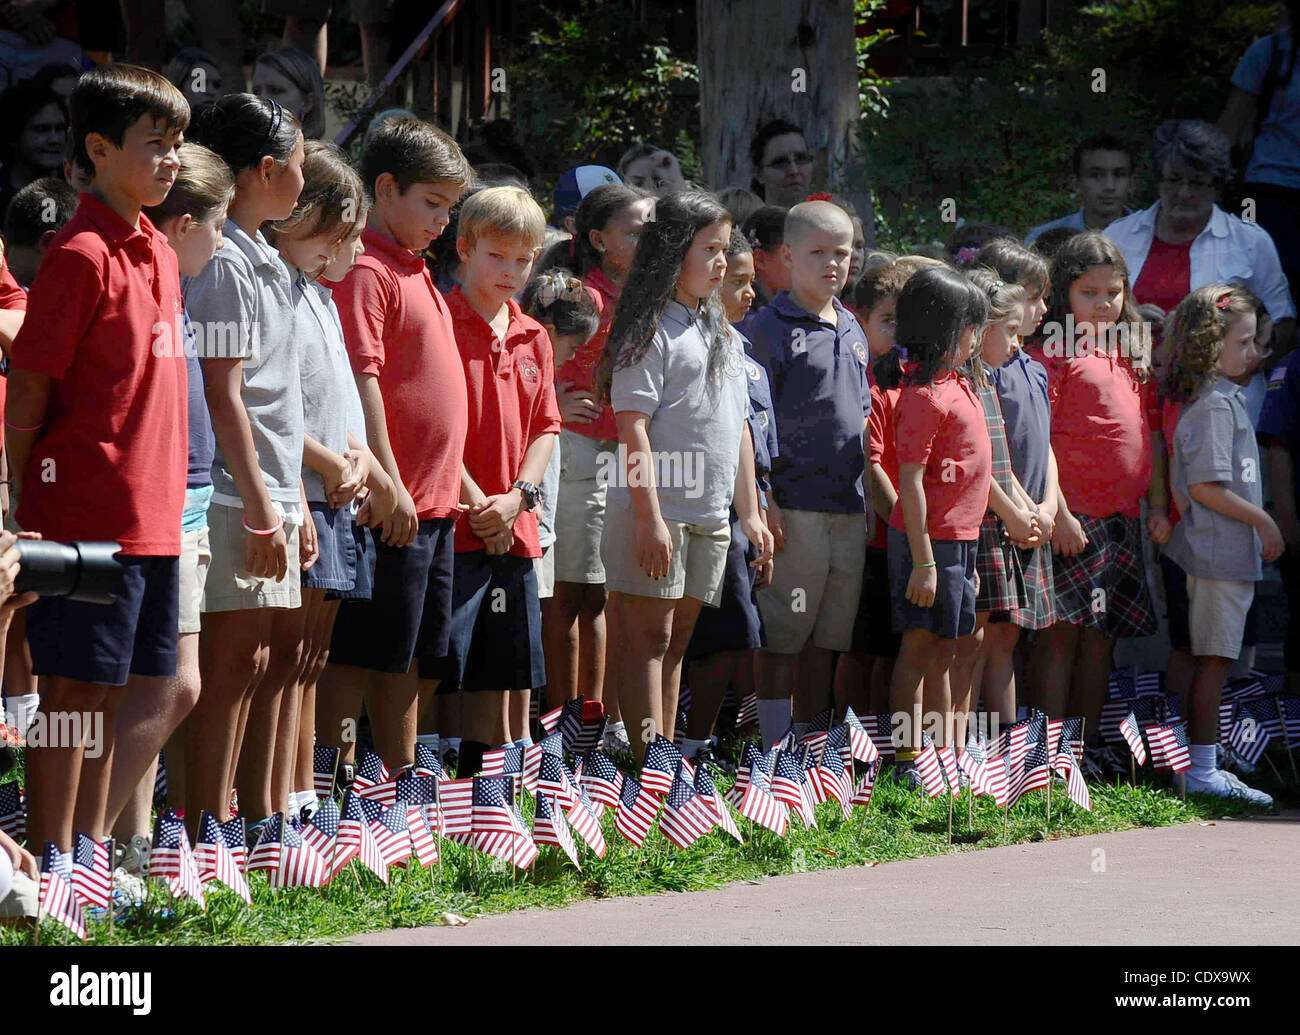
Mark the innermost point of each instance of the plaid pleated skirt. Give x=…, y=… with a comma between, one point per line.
x=1105, y=586
x=997, y=561
x=1039, y=610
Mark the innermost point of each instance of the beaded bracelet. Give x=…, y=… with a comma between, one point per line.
x=263, y=531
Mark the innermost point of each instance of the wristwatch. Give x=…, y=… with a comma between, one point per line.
x=531, y=493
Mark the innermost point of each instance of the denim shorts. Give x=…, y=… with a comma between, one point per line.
x=952, y=615
x=336, y=562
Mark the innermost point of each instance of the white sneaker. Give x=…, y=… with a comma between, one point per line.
x=616, y=742
x=1225, y=785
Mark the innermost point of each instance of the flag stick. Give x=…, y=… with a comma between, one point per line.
x=1049, y=792
x=950, y=815
x=1132, y=768
x=1006, y=811
x=1277, y=703
x=112, y=853
x=1272, y=766
x=284, y=836
x=334, y=854
x=40, y=904
x=970, y=806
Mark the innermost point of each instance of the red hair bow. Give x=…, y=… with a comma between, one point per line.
x=823, y=196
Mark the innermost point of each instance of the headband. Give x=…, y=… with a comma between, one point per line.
x=277, y=118
x=556, y=287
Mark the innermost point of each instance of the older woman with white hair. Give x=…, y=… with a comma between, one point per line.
x=1185, y=241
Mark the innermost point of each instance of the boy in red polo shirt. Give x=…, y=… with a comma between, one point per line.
x=495, y=644
x=403, y=352
x=95, y=426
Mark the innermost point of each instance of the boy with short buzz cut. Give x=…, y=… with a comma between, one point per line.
x=35, y=215
x=514, y=420
x=816, y=356
x=96, y=429
x=403, y=352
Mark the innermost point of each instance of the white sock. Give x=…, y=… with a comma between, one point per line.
x=799, y=729
x=305, y=798
x=773, y=719
x=21, y=709
x=691, y=748
x=1204, y=763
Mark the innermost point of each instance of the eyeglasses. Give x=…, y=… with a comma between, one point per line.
x=1195, y=183
x=793, y=161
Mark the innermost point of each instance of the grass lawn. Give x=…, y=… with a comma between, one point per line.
x=898, y=825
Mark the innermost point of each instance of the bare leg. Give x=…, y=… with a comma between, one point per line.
x=1092, y=670
x=392, y=704
x=648, y=626
x=1051, y=668
x=613, y=674
x=258, y=797
x=518, y=713
x=1206, y=691
x=684, y=617
x=812, y=683
x=54, y=769
x=339, y=693
x=906, y=687
x=487, y=717
x=853, y=682
x=710, y=677
x=963, y=676
x=998, y=685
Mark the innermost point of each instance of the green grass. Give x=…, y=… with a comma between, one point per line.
x=898, y=825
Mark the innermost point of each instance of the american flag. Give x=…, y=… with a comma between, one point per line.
x=948, y=758
x=601, y=778
x=355, y=839
x=790, y=785
x=504, y=761
x=930, y=768
x=974, y=764
x=456, y=797
x=862, y=745
x=373, y=781
x=419, y=789
x=550, y=828
x=862, y=795
x=880, y=729
x=1034, y=774
x=1013, y=742
x=750, y=757
x=13, y=814
x=1149, y=684
x=1122, y=684
x=551, y=719
x=58, y=900
x=1133, y=738
x=297, y=866
x=1072, y=736
x=1264, y=711
x=393, y=835
x=498, y=829
x=636, y=811
x=171, y=858
x=661, y=761
x=998, y=777
x=160, y=779
x=1169, y=747
x=1227, y=712
x=427, y=762
x=836, y=777
x=92, y=876
x=815, y=735
x=584, y=818
x=214, y=854
x=811, y=773
x=582, y=724
x=1173, y=707
x=1075, y=786
x=1148, y=709
x=1272, y=684
x=1119, y=702
x=1290, y=708
x=747, y=715
x=553, y=744
x=424, y=846
x=553, y=779
x=686, y=817
x=758, y=804
x=709, y=793
x=532, y=766
x=324, y=766
x=322, y=828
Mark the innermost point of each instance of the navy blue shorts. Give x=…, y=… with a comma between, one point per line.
x=873, y=628
x=496, y=627
x=735, y=623
x=105, y=643
x=409, y=613
x=952, y=615
x=336, y=565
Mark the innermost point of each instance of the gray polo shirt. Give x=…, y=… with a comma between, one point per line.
x=1215, y=442
x=241, y=306
x=695, y=424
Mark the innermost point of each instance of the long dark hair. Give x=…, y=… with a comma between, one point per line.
x=243, y=129
x=653, y=279
x=934, y=307
x=594, y=212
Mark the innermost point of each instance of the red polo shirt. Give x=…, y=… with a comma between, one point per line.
x=397, y=327
x=111, y=458
x=580, y=369
x=1101, y=433
x=511, y=401
x=881, y=448
x=12, y=296
x=942, y=426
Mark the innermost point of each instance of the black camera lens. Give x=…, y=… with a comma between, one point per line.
x=89, y=572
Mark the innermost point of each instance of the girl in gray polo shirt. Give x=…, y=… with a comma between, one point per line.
x=1224, y=530
x=673, y=369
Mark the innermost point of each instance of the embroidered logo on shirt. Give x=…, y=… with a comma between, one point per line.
x=860, y=350
x=762, y=419
x=528, y=369
x=751, y=368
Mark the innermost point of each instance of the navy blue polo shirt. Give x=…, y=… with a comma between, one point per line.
x=1021, y=383
x=821, y=397
x=762, y=420
x=1280, y=418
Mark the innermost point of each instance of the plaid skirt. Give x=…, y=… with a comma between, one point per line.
x=997, y=562
x=1039, y=610
x=1105, y=586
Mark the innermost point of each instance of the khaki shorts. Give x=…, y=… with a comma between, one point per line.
x=196, y=557
x=545, y=568
x=698, y=563
x=817, y=584
x=1217, y=615
x=580, y=509
x=230, y=586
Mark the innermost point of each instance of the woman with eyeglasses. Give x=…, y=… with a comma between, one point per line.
x=782, y=163
x=1185, y=241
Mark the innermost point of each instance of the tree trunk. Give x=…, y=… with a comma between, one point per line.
x=790, y=59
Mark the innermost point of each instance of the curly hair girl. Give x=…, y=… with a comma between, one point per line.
x=1195, y=334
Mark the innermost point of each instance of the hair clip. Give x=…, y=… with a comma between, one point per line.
x=967, y=253
x=556, y=287
x=277, y=117
x=1223, y=301
x=753, y=240
x=820, y=196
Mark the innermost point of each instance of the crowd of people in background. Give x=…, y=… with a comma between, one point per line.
x=384, y=441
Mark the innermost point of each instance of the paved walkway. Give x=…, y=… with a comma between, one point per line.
x=1230, y=882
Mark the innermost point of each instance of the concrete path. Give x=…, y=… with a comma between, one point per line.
x=1229, y=882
